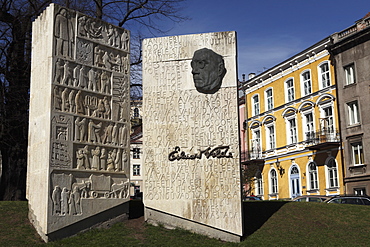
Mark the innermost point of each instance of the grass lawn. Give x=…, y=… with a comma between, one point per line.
x=293, y=224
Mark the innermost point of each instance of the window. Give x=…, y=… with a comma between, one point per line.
x=359, y=191
x=292, y=131
x=306, y=83
x=357, y=153
x=273, y=182
x=350, y=74
x=136, y=170
x=327, y=123
x=289, y=86
x=256, y=144
x=269, y=100
x=309, y=127
x=136, y=113
x=324, y=74
x=353, y=113
x=270, y=136
x=136, y=153
x=256, y=105
x=258, y=184
x=333, y=173
x=313, y=181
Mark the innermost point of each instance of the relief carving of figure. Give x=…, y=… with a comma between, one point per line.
x=109, y=35
x=80, y=129
x=123, y=135
x=79, y=102
x=64, y=34
x=93, y=132
x=64, y=201
x=103, y=159
x=75, y=202
x=67, y=78
x=76, y=75
x=99, y=57
x=117, y=39
x=58, y=71
x=80, y=159
x=107, y=137
x=65, y=103
x=104, y=82
x=124, y=161
x=125, y=65
x=71, y=100
x=95, y=165
x=56, y=197
x=110, y=162
x=208, y=69
x=86, y=157
x=118, y=161
x=125, y=41
x=82, y=77
x=57, y=99
x=92, y=79
x=106, y=61
x=82, y=26
x=107, y=108
x=115, y=134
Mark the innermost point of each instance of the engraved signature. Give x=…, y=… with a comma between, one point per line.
x=217, y=152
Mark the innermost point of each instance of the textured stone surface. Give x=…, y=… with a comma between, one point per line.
x=191, y=140
x=78, y=165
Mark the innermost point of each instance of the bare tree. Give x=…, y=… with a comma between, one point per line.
x=16, y=18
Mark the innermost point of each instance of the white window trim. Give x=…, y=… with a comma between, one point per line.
x=322, y=112
x=299, y=177
x=352, y=75
x=266, y=99
x=320, y=73
x=309, y=178
x=270, y=182
x=304, y=121
x=327, y=178
x=133, y=169
x=287, y=125
x=302, y=82
x=352, y=152
x=355, y=112
x=254, y=113
x=286, y=90
x=256, y=186
x=268, y=135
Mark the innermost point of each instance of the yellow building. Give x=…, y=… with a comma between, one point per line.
x=292, y=126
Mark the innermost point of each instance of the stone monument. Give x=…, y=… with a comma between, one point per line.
x=191, y=135
x=79, y=123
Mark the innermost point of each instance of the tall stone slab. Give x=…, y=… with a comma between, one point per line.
x=79, y=123
x=190, y=137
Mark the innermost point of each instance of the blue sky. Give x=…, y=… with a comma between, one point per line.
x=270, y=31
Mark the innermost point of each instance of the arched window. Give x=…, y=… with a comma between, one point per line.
x=332, y=173
x=273, y=182
x=258, y=184
x=312, y=176
x=295, y=183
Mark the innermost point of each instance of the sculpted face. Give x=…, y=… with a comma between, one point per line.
x=208, y=70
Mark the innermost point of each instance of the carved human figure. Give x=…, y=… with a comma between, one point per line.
x=65, y=103
x=107, y=108
x=107, y=137
x=82, y=77
x=118, y=161
x=64, y=201
x=208, y=70
x=75, y=202
x=110, y=33
x=86, y=153
x=101, y=108
x=98, y=57
x=71, y=101
x=103, y=159
x=56, y=197
x=117, y=39
x=93, y=132
x=115, y=134
x=79, y=102
x=58, y=71
x=80, y=159
x=57, y=99
x=80, y=129
x=123, y=135
x=104, y=82
x=124, y=161
x=82, y=26
x=63, y=33
x=95, y=164
x=68, y=72
x=125, y=64
x=106, y=61
x=76, y=75
x=125, y=40
x=110, y=162
x=92, y=79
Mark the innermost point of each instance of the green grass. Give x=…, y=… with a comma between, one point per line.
x=293, y=224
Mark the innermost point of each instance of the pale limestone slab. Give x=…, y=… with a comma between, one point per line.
x=79, y=122
x=177, y=118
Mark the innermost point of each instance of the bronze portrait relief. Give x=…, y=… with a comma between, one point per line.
x=208, y=69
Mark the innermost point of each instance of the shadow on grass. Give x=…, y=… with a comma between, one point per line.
x=256, y=213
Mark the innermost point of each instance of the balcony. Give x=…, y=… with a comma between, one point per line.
x=253, y=157
x=322, y=139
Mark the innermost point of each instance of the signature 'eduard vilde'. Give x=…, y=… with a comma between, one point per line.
x=217, y=152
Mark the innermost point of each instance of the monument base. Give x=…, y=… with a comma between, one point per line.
x=103, y=219
x=155, y=217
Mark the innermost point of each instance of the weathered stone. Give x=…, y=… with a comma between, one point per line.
x=79, y=123
x=191, y=141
